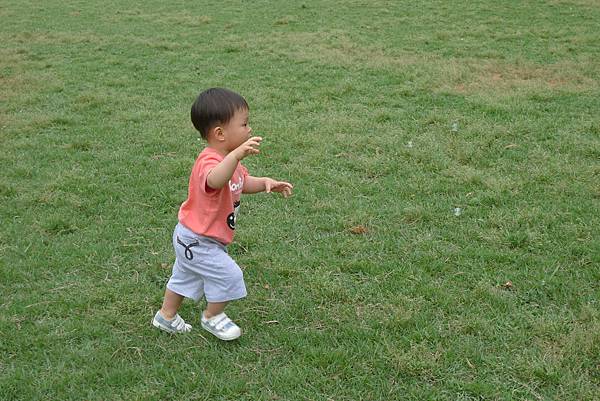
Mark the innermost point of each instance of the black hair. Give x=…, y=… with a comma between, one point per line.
x=215, y=106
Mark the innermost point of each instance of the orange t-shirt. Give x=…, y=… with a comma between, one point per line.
x=212, y=212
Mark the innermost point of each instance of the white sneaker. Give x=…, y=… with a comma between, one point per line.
x=221, y=326
x=175, y=325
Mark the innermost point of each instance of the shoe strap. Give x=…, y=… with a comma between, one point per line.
x=179, y=324
x=220, y=321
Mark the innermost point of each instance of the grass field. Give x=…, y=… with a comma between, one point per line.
x=443, y=240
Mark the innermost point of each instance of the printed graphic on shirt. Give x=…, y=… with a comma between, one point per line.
x=232, y=218
x=236, y=187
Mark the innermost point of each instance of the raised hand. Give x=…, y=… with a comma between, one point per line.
x=250, y=147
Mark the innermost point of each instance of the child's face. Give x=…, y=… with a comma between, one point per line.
x=237, y=130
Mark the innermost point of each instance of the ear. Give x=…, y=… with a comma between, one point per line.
x=217, y=133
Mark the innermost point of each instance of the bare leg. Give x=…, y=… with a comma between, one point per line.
x=171, y=304
x=214, y=308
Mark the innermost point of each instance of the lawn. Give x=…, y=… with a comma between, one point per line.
x=442, y=243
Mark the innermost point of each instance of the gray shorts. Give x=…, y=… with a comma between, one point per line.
x=203, y=268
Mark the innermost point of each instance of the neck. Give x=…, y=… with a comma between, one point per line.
x=219, y=148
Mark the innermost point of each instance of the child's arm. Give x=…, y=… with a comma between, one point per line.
x=220, y=175
x=254, y=185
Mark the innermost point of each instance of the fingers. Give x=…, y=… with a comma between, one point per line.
x=254, y=141
x=283, y=184
x=251, y=146
x=248, y=148
x=285, y=188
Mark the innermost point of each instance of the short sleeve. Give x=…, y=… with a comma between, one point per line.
x=245, y=172
x=205, y=166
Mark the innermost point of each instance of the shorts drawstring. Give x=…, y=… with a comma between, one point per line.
x=188, y=252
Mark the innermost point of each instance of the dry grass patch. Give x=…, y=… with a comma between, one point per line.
x=18, y=80
x=160, y=18
x=186, y=20
x=461, y=76
x=334, y=48
x=579, y=3
x=475, y=77
x=11, y=76
x=57, y=38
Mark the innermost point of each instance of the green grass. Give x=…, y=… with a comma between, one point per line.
x=357, y=102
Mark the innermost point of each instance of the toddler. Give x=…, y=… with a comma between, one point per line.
x=207, y=218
